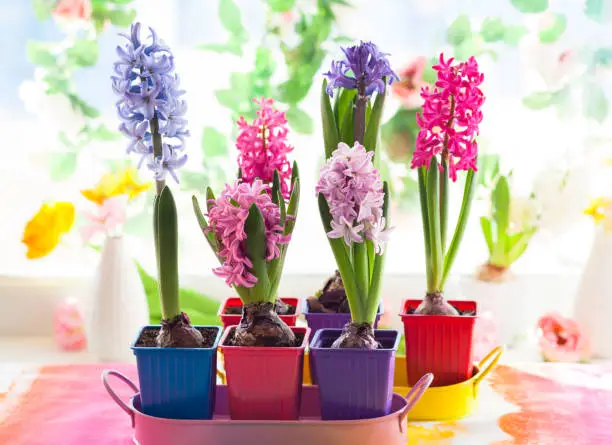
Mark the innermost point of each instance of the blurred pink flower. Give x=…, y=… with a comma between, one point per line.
x=562, y=339
x=408, y=89
x=485, y=336
x=73, y=9
x=107, y=217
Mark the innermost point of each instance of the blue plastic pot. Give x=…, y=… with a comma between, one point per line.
x=178, y=383
x=354, y=383
x=325, y=320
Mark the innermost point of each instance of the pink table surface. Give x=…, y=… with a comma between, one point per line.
x=528, y=404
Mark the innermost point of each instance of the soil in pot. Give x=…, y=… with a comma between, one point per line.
x=470, y=313
x=299, y=338
x=281, y=308
x=331, y=299
x=148, y=337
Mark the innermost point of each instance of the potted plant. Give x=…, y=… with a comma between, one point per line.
x=249, y=227
x=176, y=361
x=329, y=306
x=262, y=150
x=507, y=230
x=354, y=366
x=438, y=333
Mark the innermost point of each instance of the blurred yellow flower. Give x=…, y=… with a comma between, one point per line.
x=44, y=231
x=124, y=182
x=597, y=208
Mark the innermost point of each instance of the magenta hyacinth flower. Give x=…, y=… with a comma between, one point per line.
x=227, y=216
x=450, y=117
x=354, y=192
x=263, y=146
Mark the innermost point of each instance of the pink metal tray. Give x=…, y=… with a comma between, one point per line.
x=309, y=430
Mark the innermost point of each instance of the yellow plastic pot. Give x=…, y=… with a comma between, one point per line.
x=441, y=402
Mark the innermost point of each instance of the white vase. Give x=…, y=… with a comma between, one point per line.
x=507, y=304
x=117, y=307
x=593, y=302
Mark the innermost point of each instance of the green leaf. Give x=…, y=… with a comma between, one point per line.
x=80, y=105
x=433, y=206
x=330, y=130
x=539, y=100
x=100, y=133
x=43, y=8
x=280, y=5
x=40, y=54
x=343, y=103
x=228, y=99
x=292, y=208
x=530, y=6
x=229, y=14
x=488, y=168
x=500, y=200
x=513, y=34
x=595, y=102
x=61, y=165
x=293, y=90
x=230, y=47
x=485, y=225
x=347, y=130
x=122, y=18
x=493, y=29
x=167, y=241
x=213, y=143
x=300, y=121
x=240, y=84
x=598, y=10
x=552, y=33
x=255, y=245
x=371, y=134
x=459, y=30
x=84, y=52
x=264, y=63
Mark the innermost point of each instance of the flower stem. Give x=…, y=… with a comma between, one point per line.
x=434, y=225
x=359, y=122
x=425, y=217
x=158, y=151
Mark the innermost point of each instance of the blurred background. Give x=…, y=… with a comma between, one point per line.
x=548, y=83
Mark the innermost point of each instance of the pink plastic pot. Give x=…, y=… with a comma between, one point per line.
x=264, y=383
x=439, y=344
x=308, y=430
x=234, y=319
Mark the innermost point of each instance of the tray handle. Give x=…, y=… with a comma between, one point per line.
x=414, y=395
x=487, y=364
x=114, y=396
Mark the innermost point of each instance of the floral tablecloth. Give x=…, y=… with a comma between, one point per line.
x=520, y=404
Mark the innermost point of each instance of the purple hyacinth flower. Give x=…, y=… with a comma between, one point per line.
x=364, y=68
x=149, y=100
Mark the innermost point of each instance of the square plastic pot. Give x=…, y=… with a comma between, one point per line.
x=232, y=320
x=177, y=383
x=354, y=383
x=440, y=344
x=264, y=383
x=323, y=320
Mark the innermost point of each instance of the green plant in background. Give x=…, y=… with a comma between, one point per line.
x=302, y=59
x=595, y=104
x=58, y=62
x=507, y=231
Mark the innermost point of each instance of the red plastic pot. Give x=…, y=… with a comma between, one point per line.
x=233, y=320
x=439, y=344
x=264, y=383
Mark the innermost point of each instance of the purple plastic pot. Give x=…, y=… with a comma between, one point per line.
x=324, y=320
x=354, y=383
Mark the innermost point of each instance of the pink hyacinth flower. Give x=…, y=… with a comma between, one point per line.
x=354, y=192
x=263, y=146
x=450, y=117
x=227, y=216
